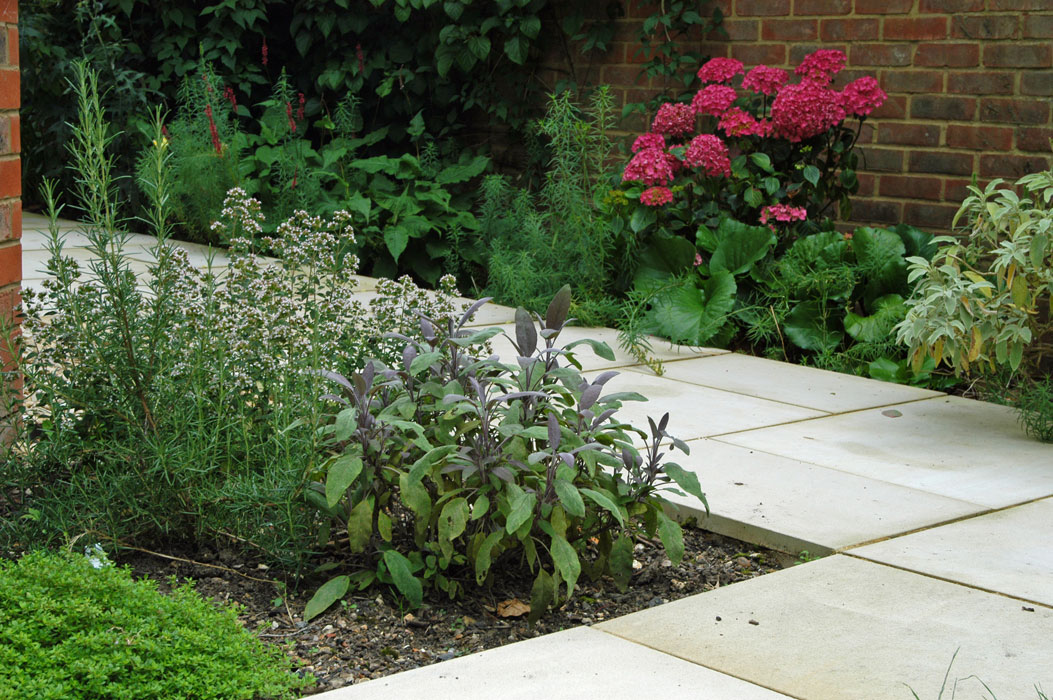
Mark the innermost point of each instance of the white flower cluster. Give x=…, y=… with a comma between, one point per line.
x=242, y=335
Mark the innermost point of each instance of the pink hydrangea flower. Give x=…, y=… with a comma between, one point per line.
x=765, y=80
x=804, y=110
x=674, y=119
x=719, y=70
x=656, y=196
x=782, y=212
x=648, y=141
x=862, y=96
x=822, y=65
x=713, y=99
x=737, y=122
x=708, y=152
x=651, y=166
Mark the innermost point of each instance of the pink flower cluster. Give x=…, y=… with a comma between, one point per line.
x=798, y=112
x=862, y=96
x=805, y=110
x=710, y=154
x=656, y=196
x=714, y=99
x=821, y=66
x=674, y=119
x=782, y=212
x=651, y=166
x=719, y=70
x=765, y=80
x=648, y=140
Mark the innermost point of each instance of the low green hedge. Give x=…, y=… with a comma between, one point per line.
x=77, y=627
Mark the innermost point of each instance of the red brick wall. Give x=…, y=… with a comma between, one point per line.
x=969, y=82
x=10, y=168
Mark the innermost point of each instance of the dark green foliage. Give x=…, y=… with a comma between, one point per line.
x=447, y=465
x=561, y=234
x=75, y=627
x=441, y=61
x=1034, y=407
x=828, y=298
x=662, y=38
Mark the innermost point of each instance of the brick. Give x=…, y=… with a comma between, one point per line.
x=940, y=162
x=986, y=83
x=756, y=54
x=10, y=264
x=1038, y=27
x=948, y=108
x=1002, y=5
x=913, y=28
x=1001, y=165
x=984, y=26
x=745, y=8
x=908, y=134
x=1037, y=83
x=907, y=187
x=9, y=12
x=849, y=29
x=895, y=107
x=1014, y=55
x=874, y=211
x=790, y=30
x=948, y=6
x=12, y=46
x=881, y=159
x=799, y=51
x=929, y=216
x=1031, y=138
x=883, y=7
x=623, y=76
x=890, y=55
x=912, y=81
x=949, y=55
x=995, y=109
x=979, y=138
x=10, y=178
x=867, y=184
x=739, y=30
x=956, y=190
x=9, y=89
x=822, y=7
x=10, y=221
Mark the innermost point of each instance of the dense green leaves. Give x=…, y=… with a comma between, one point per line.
x=494, y=462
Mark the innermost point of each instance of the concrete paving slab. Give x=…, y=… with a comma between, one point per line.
x=576, y=663
x=1010, y=552
x=847, y=628
x=794, y=384
x=962, y=449
x=697, y=411
x=793, y=506
x=38, y=239
x=34, y=263
x=490, y=314
x=662, y=350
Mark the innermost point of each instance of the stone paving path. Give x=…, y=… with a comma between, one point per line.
x=937, y=512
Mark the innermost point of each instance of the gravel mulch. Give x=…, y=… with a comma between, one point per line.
x=369, y=636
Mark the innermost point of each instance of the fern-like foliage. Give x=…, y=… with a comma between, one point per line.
x=560, y=234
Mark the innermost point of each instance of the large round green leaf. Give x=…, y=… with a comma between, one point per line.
x=811, y=326
x=666, y=256
x=739, y=246
x=690, y=314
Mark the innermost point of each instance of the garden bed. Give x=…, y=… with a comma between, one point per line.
x=371, y=636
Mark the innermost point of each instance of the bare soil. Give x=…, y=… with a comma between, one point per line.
x=369, y=636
